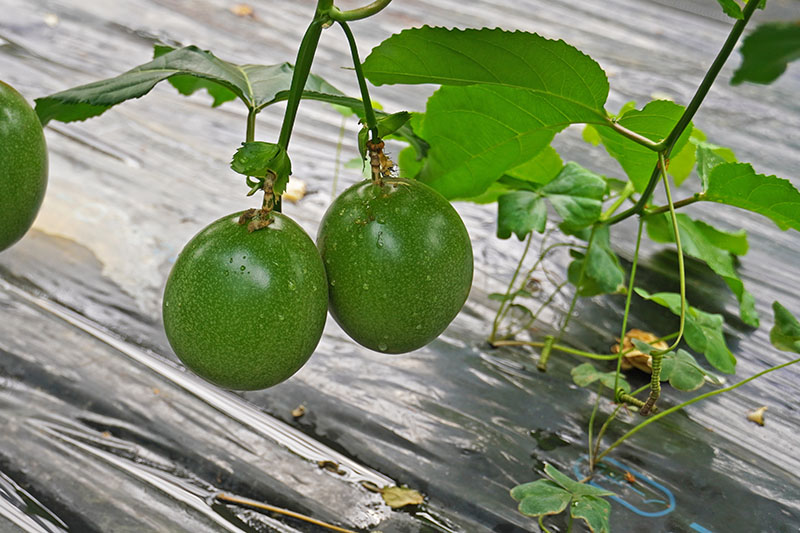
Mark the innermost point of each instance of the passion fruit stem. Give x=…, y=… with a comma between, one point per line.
x=369, y=113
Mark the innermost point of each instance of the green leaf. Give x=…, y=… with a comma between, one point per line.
x=407, y=162
x=493, y=115
x=256, y=85
x=734, y=242
x=520, y=212
x=654, y=121
x=541, y=497
x=709, y=156
x=702, y=332
x=387, y=125
x=731, y=8
x=542, y=169
x=767, y=51
x=468, y=57
x=698, y=240
x=259, y=159
x=738, y=185
x=585, y=374
x=591, y=135
x=682, y=371
x=603, y=274
x=785, y=334
x=576, y=195
x=594, y=511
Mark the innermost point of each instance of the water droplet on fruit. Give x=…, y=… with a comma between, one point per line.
x=281, y=317
x=231, y=260
x=380, y=240
x=365, y=286
x=418, y=326
x=427, y=278
x=242, y=268
x=226, y=272
x=244, y=257
x=382, y=347
x=292, y=286
x=333, y=282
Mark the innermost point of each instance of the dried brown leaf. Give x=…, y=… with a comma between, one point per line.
x=634, y=358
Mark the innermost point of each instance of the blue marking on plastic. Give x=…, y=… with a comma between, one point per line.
x=644, y=479
x=700, y=529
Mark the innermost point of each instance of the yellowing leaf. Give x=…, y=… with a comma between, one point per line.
x=397, y=497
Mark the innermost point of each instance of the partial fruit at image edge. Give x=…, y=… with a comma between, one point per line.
x=23, y=166
x=246, y=310
x=399, y=263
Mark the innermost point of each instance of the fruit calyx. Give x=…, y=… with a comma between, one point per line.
x=256, y=219
x=382, y=166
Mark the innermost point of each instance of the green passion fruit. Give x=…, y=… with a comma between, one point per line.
x=399, y=263
x=23, y=166
x=246, y=310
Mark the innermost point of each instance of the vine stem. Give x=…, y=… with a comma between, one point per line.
x=272, y=509
x=699, y=197
x=655, y=377
x=499, y=316
x=628, y=303
x=632, y=135
x=560, y=348
x=302, y=68
x=578, y=287
x=358, y=13
x=624, y=195
x=505, y=305
x=666, y=412
x=250, y=136
x=604, y=428
x=667, y=144
x=369, y=113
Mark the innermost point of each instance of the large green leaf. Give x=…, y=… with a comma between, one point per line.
x=737, y=184
x=492, y=115
x=654, y=121
x=682, y=371
x=192, y=69
x=699, y=240
x=541, y=497
x=767, y=51
x=520, y=212
x=785, y=334
x=491, y=57
x=576, y=195
x=594, y=511
x=603, y=273
x=702, y=332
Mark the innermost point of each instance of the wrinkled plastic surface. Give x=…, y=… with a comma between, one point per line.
x=101, y=430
